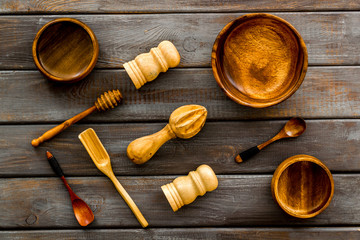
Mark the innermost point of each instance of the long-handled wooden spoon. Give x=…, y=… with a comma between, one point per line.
x=105, y=102
x=82, y=211
x=101, y=159
x=293, y=128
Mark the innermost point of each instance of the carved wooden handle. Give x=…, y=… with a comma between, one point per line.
x=58, y=129
x=129, y=201
x=142, y=149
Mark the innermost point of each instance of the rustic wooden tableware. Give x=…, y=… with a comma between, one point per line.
x=259, y=60
x=185, y=122
x=82, y=211
x=106, y=101
x=147, y=66
x=184, y=190
x=101, y=159
x=302, y=186
x=293, y=128
x=65, y=50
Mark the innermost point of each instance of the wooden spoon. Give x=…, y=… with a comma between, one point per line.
x=293, y=128
x=101, y=159
x=82, y=211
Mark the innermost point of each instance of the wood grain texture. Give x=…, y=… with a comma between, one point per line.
x=238, y=201
x=310, y=233
x=131, y=6
x=102, y=161
x=216, y=145
x=330, y=37
x=65, y=50
x=302, y=186
x=327, y=92
x=259, y=60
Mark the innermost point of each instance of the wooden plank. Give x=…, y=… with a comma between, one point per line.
x=335, y=142
x=319, y=233
x=327, y=92
x=137, y=6
x=238, y=201
x=331, y=37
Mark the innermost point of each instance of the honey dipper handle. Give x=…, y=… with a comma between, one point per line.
x=58, y=129
x=142, y=149
x=129, y=201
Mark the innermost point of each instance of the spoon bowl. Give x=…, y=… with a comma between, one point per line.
x=295, y=127
x=82, y=211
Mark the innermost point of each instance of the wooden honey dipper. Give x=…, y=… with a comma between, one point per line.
x=107, y=100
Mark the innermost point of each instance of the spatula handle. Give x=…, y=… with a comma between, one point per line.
x=129, y=202
x=247, y=154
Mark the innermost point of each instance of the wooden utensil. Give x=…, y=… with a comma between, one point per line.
x=101, y=159
x=82, y=211
x=65, y=50
x=259, y=60
x=302, y=186
x=106, y=101
x=147, y=66
x=184, y=190
x=293, y=128
x=185, y=122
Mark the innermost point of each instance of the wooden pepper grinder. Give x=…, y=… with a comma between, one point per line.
x=184, y=190
x=147, y=66
x=106, y=101
x=185, y=122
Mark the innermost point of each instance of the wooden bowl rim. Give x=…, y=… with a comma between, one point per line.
x=216, y=48
x=93, y=60
x=283, y=166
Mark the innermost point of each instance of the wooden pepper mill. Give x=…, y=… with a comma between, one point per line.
x=184, y=190
x=185, y=122
x=147, y=66
x=106, y=101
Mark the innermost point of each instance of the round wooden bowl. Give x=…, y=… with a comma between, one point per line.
x=65, y=50
x=259, y=60
x=302, y=186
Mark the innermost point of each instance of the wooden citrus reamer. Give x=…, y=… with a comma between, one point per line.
x=185, y=122
x=107, y=100
x=101, y=159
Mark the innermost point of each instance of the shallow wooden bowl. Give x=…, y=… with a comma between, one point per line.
x=259, y=60
x=302, y=186
x=65, y=50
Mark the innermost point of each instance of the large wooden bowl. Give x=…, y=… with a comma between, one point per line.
x=259, y=60
x=65, y=50
x=302, y=186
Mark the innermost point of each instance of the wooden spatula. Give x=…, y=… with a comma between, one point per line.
x=101, y=159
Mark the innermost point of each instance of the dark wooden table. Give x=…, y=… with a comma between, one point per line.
x=35, y=205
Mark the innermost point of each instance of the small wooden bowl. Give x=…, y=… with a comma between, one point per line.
x=65, y=50
x=302, y=186
x=259, y=60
